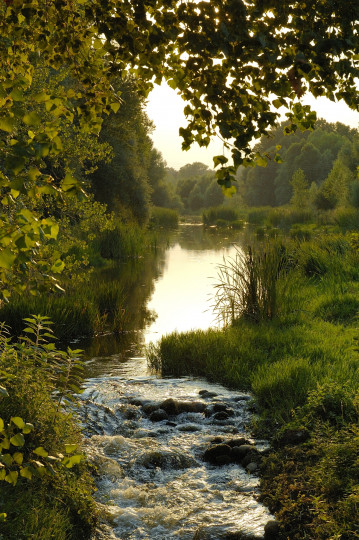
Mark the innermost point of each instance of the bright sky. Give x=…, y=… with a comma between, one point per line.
x=165, y=109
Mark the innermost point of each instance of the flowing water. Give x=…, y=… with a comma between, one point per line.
x=152, y=481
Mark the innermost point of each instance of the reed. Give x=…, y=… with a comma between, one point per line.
x=163, y=217
x=248, y=283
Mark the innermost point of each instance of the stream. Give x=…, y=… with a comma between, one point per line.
x=147, y=435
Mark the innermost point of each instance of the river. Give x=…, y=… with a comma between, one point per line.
x=152, y=481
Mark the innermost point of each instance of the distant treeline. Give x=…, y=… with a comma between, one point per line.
x=324, y=161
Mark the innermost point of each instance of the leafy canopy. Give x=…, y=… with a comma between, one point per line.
x=235, y=62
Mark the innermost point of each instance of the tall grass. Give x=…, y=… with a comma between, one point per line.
x=247, y=284
x=163, y=217
x=221, y=214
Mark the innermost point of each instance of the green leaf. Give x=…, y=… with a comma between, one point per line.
x=3, y=517
x=7, y=259
x=7, y=124
x=69, y=448
x=17, y=421
x=219, y=160
x=18, y=457
x=69, y=182
x=12, y=477
x=5, y=443
x=27, y=428
x=69, y=462
x=7, y=459
x=26, y=473
x=2, y=425
x=58, y=266
x=18, y=440
x=40, y=451
x=32, y=119
x=115, y=106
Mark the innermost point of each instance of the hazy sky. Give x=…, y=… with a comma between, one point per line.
x=165, y=109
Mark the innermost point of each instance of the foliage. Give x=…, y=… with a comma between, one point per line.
x=299, y=183
x=303, y=370
x=212, y=215
x=38, y=440
x=314, y=153
x=163, y=217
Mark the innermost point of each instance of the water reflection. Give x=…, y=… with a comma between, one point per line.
x=168, y=290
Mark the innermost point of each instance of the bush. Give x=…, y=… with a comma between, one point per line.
x=42, y=493
x=346, y=218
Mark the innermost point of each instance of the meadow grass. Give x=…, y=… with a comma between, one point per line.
x=302, y=366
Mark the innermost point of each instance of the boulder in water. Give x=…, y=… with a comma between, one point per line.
x=215, y=454
x=158, y=415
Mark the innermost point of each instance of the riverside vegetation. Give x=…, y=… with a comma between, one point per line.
x=290, y=310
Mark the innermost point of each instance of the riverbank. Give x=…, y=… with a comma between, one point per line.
x=301, y=363
x=46, y=484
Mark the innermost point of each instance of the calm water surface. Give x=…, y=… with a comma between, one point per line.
x=153, y=483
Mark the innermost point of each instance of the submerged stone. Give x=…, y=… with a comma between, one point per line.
x=158, y=415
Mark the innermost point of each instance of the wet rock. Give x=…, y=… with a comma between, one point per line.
x=165, y=460
x=207, y=394
x=221, y=416
x=191, y=406
x=251, y=457
x=271, y=530
x=238, y=453
x=242, y=398
x=158, y=415
x=213, y=453
x=149, y=408
x=174, y=407
x=240, y=535
x=252, y=467
x=130, y=412
x=170, y=406
x=171, y=424
x=223, y=460
x=237, y=442
x=191, y=428
x=218, y=408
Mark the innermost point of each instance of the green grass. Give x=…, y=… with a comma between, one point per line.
x=163, y=217
x=302, y=366
x=221, y=216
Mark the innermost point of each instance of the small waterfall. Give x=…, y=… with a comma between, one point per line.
x=149, y=439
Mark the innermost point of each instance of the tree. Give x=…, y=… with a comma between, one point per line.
x=235, y=63
x=335, y=189
x=299, y=183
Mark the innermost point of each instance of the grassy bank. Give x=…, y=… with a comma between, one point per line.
x=290, y=338
x=45, y=483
